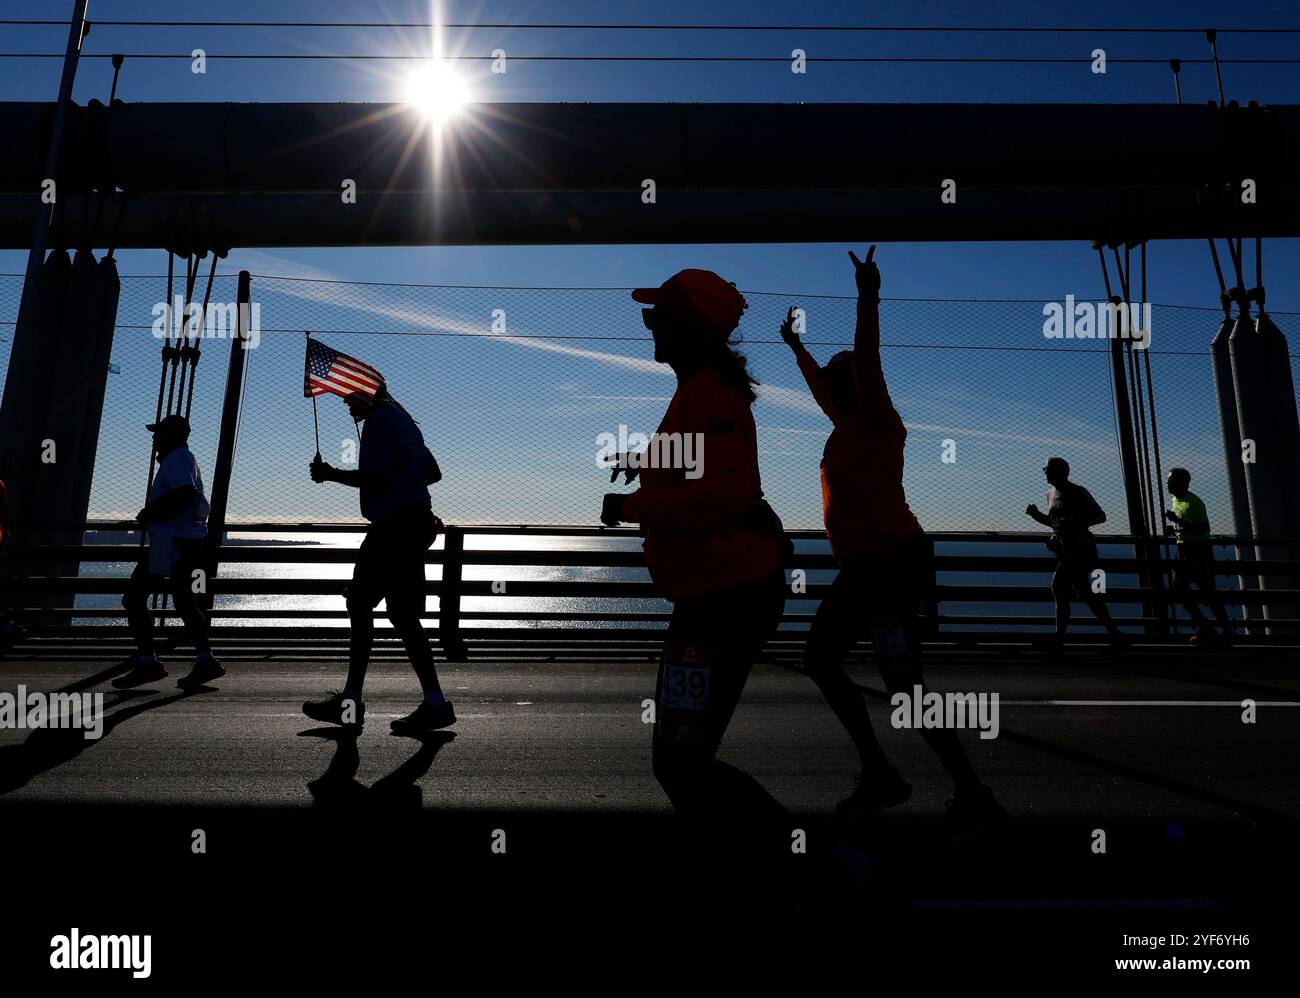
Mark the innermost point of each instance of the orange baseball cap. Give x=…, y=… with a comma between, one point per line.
x=700, y=293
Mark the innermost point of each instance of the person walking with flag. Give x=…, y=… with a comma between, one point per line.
x=393, y=474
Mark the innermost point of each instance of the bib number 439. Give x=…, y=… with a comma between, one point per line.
x=685, y=687
x=684, y=681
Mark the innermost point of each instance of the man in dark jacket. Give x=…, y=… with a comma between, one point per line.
x=393, y=473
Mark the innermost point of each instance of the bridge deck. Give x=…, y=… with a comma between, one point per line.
x=1150, y=749
x=1145, y=735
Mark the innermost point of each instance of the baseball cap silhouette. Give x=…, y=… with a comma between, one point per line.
x=175, y=424
x=700, y=294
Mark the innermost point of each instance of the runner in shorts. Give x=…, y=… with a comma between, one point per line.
x=1071, y=512
x=176, y=520
x=886, y=564
x=1195, y=565
x=393, y=474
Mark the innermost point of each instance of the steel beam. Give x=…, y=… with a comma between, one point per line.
x=204, y=147
x=183, y=222
x=559, y=173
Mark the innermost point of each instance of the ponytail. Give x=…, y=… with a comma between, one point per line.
x=733, y=370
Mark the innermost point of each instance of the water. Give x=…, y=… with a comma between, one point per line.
x=503, y=603
x=508, y=604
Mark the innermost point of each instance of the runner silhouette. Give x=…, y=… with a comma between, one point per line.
x=1071, y=511
x=1190, y=524
x=712, y=544
x=176, y=519
x=886, y=563
x=393, y=474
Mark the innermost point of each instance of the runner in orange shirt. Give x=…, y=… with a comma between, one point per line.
x=886, y=562
x=712, y=544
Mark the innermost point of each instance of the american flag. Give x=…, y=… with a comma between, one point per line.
x=330, y=371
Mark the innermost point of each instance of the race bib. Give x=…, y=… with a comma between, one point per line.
x=684, y=687
x=685, y=679
x=889, y=640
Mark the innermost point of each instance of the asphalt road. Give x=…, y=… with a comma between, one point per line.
x=1080, y=740
x=325, y=855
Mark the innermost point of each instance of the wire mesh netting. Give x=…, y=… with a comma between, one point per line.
x=513, y=388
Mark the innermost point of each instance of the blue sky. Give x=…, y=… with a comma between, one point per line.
x=1179, y=272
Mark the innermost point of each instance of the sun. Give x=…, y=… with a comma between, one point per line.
x=436, y=90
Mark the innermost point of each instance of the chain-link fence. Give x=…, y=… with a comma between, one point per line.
x=513, y=387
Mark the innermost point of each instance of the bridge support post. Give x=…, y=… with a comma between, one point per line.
x=224, y=463
x=1143, y=550
x=1263, y=463
x=449, y=593
x=1286, y=429
x=1225, y=397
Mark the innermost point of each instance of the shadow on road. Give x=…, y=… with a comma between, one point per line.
x=47, y=748
x=338, y=789
x=1135, y=773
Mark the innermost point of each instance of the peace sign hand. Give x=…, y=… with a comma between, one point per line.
x=788, y=333
x=867, y=274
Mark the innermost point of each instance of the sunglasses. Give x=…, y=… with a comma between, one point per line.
x=648, y=317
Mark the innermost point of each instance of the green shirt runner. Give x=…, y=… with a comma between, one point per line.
x=1193, y=522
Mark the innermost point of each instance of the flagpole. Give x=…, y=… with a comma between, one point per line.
x=315, y=421
x=316, y=424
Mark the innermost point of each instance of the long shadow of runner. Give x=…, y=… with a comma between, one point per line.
x=1130, y=772
x=338, y=789
x=47, y=748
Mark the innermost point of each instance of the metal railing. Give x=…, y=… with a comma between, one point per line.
x=996, y=603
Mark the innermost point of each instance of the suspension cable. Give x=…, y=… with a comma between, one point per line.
x=176, y=344
x=862, y=60
x=194, y=341
x=872, y=28
x=162, y=378
x=1134, y=396
x=1151, y=400
x=1110, y=374
x=1153, y=525
x=1224, y=298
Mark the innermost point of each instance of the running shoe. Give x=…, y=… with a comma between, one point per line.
x=206, y=669
x=145, y=670
x=874, y=792
x=331, y=710
x=425, y=718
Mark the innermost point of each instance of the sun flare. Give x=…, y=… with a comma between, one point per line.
x=436, y=90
